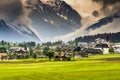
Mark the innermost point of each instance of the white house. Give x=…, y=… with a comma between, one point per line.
x=117, y=50
x=104, y=47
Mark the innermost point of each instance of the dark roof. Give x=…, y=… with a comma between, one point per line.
x=20, y=51
x=102, y=46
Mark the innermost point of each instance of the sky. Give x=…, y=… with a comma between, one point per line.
x=60, y=26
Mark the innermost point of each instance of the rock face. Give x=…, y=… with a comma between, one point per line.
x=56, y=17
x=104, y=21
x=9, y=33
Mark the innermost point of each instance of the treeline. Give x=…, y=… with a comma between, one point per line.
x=112, y=37
x=22, y=44
x=52, y=43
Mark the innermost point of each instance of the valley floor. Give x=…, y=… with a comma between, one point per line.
x=99, y=67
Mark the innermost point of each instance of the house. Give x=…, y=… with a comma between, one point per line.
x=117, y=50
x=57, y=56
x=103, y=46
x=83, y=44
x=3, y=56
x=61, y=56
x=13, y=49
x=117, y=46
x=20, y=53
x=41, y=56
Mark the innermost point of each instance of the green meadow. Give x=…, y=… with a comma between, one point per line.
x=98, y=67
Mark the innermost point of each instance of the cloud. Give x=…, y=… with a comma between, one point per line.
x=71, y=36
x=109, y=7
x=10, y=10
x=111, y=27
x=90, y=12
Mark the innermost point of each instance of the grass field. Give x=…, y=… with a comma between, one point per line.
x=100, y=67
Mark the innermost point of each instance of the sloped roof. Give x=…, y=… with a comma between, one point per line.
x=102, y=46
x=118, y=49
x=20, y=51
x=59, y=53
x=3, y=54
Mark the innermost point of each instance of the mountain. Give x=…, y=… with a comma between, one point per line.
x=55, y=17
x=10, y=33
x=104, y=21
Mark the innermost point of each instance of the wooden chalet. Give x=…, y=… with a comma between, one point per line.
x=61, y=56
x=3, y=56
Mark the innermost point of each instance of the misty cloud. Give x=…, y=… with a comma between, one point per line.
x=107, y=2
x=109, y=7
x=111, y=10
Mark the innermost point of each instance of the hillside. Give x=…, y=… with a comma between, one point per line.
x=13, y=34
x=113, y=37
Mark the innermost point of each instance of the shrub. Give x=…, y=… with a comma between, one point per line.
x=27, y=56
x=34, y=55
x=111, y=50
x=50, y=54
